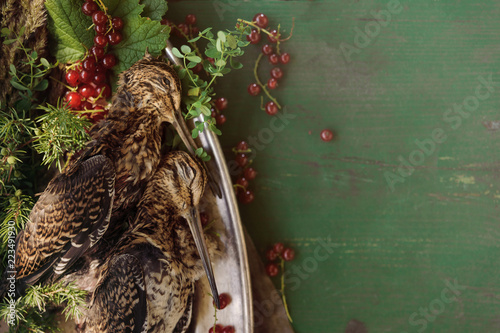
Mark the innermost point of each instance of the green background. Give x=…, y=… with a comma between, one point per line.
x=393, y=250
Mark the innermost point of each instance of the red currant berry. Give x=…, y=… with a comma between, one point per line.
x=98, y=52
x=241, y=159
x=271, y=255
x=195, y=31
x=221, y=103
x=101, y=28
x=228, y=329
x=254, y=37
x=277, y=73
x=86, y=106
x=326, y=135
x=213, y=112
x=117, y=23
x=86, y=76
x=89, y=64
x=267, y=49
x=218, y=329
x=97, y=116
x=271, y=108
x=288, y=254
x=166, y=22
x=86, y=90
x=273, y=37
x=261, y=20
x=114, y=37
x=73, y=78
x=204, y=218
x=190, y=19
x=182, y=30
x=211, y=60
x=284, y=58
x=242, y=182
x=109, y=61
x=246, y=197
x=89, y=7
x=198, y=68
x=253, y=89
x=273, y=59
x=104, y=90
x=242, y=146
x=272, y=269
x=278, y=248
x=224, y=300
x=98, y=17
x=100, y=41
x=220, y=119
x=100, y=68
x=272, y=83
x=74, y=100
x=250, y=173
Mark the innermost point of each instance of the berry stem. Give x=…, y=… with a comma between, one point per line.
x=283, y=297
x=263, y=87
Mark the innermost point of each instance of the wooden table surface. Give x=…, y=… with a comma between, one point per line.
x=395, y=222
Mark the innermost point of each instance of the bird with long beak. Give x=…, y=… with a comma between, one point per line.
x=147, y=282
x=89, y=198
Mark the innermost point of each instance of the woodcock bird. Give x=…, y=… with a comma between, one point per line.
x=147, y=282
x=105, y=183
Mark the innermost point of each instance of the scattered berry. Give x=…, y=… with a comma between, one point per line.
x=114, y=38
x=261, y=20
x=278, y=248
x=288, y=254
x=285, y=58
x=326, y=135
x=273, y=36
x=242, y=146
x=242, y=182
x=89, y=64
x=72, y=77
x=241, y=159
x=246, y=197
x=182, y=30
x=254, y=37
x=272, y=83
x=250, y=173
x=117, y=23
x=204, y=218
x=89, y=7
x=73, y=99
x=267, y=49
x=221, y=103
x=253, y=89
x=86, y=90
x=224, y=300
x=276, y=73
x=109, y=61
x=104, y=90
x=271, y=108
x=99, y=17
x=86, y=76
x=272, y=269
x=101, y=28
x=228, y=329
x=99, y=78
x=98, y=52
x=220, y=119
x=273, y=59
x=190, y=19
x=218, y=329
x=271, y=255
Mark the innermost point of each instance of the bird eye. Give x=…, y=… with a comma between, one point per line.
x=166, y=81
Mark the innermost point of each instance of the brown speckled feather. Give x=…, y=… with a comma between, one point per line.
x=79, y=205
x=162, y=246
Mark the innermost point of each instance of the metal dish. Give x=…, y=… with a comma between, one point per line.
x=232, y=271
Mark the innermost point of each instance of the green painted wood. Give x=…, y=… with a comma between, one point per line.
x=393, y=250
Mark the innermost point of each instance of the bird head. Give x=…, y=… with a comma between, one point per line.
x=184, y=179
x=154, y=85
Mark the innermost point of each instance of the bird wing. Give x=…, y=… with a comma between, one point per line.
x=185, y=320
x=71, y=216
x=119, y=300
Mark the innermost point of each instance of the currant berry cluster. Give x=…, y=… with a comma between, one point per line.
x=248, y=173
x=274, y=55
x=224, y=300
x=88, y=79
x=278, y=251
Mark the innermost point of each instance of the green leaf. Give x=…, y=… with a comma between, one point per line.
x=195, y=132
x=194, y=39
x=232, y=42
x=13, y=70
x=194, y=59
x=185, y=49
x=191, y=65
x=222, y=36
x=34, y=55
x=6, y=32
x=220, y=63
x=17, y=85
x=44, y=84
x=235, y=64
x=68, y=30
x=9, y=41
x=154, y=9
x=212, y=53
x=203, y=32
x=206, y=111
x=138, y=33
x=177, y=53
x=45, y=63
x=218, y=45
x=194, y=92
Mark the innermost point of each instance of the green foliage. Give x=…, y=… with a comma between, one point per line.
x=223, y=48
x=59, y=131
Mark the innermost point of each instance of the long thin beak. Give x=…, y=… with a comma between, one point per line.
x=196, y=229
x=183, y=131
